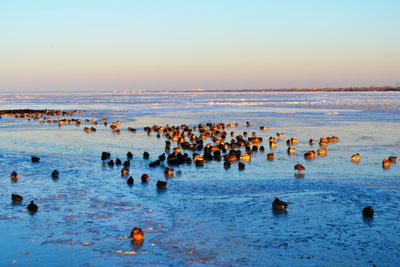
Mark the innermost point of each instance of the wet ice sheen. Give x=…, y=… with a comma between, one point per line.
x=207, y=215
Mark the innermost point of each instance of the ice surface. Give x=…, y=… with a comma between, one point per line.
x=207, y=215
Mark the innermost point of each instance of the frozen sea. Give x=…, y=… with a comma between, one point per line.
x=208, y=216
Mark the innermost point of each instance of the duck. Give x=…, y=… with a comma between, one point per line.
x=146, y=155
x=392, y=159
x=130, y=180
x=55, y=174
x=32, y=207
x=323, y=144
x=270, y=156
x=16, y=198
x=231, y=158
x=291, y=150
x=118, y=162
x=309, y=155
x=169, y=172
x=385, y=163
x=322, y=151
x=129, y=155
x=323, y=140
x=35, y=159
x=273, y=144
x=105, y=155
x=124, y=171
x=137, y=234
x=368, y=212
x=145, y=178
x=161, y=184
x=162, y=157
x=356, y=157
x=278, y=204
x=14, y=176
x=245, y=157
x=292, y=141
x=299, y=168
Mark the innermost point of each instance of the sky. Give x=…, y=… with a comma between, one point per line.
x=101, y=45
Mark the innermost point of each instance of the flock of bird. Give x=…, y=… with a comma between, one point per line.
x=192, y=140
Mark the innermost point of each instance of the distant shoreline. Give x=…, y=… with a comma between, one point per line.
x=199, y=90
x=344, y=89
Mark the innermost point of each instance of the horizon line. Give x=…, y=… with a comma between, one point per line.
x=199, y=90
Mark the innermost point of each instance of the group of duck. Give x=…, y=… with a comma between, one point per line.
x=190, y=139
x=385, y=163
x=137, y=234
x=44, y=116
x=17, y=199
x=187, y=139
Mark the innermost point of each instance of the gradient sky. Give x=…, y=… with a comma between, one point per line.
x=97, y=45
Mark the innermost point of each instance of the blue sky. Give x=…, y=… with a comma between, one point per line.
x=126, y=45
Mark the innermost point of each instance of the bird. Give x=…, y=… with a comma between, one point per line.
x=270, y=156
x=385, y=163
x=105, y=155
x=356, y=157
x=291, y=150
x=55, y=174
x=35, y=159
x=368, y=212
x=14, y=176
x=124, y=171
x=161, y=184
x=245, y=157
x=32, y=207
x=145, y=178
x=130, y=180
x=322, y=151
x=278, y=204
x=137, y=234
x=309, y=154
x=299, y=168
x=169, y=172
x=16, y=198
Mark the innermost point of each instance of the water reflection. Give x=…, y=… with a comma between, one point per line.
x=137, y=244
x=279, y=212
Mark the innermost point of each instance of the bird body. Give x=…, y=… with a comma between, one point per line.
x=278, y=204
x=356, y=157
x=137, y=234
x=32, y=207
x=299, y=167
x=16, y=198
